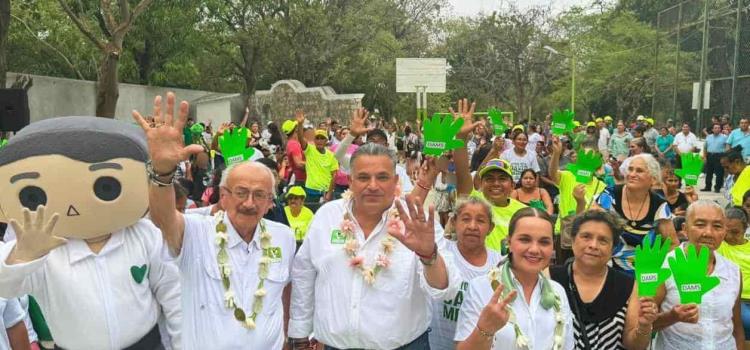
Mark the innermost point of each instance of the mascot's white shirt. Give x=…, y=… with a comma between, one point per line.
x=108, y=300
x=207, y=323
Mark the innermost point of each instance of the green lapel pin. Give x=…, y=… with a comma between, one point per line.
x=138, y=272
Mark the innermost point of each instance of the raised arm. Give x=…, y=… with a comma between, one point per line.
x=554, y=161
x=464, y=184
x=166, y=151
x=299, y=116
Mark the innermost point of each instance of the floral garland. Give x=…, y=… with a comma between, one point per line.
x=549, y=299
x=222, y=257
x=351, y=246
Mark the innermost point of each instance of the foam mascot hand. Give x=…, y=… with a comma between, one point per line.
x=649, y=260
x=498, y=124
x=692, y=166
x=690, y=274
x=562, y=122
x=440, y=134
x=35, y=239
x=586, y=166
x=233, y=145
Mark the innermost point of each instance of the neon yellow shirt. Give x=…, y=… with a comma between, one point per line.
x=319, y=168
x=501, y=218
x=740, y=255
x=300, y=223
x=741, y=185
x=567, y=202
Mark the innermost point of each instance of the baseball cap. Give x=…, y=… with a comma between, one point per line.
x=496, y=164
x=321, y=132
x=599, y=120
x=640, y=117
x=607, y=118
x=590, y=124
x=650, y=121
x=576, y=123
x=518, y=126
x=295, y=191
x=288, y=126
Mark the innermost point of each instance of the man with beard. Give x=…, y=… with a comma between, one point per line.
x=234, y=265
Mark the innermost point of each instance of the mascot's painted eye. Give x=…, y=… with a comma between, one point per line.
x=107, y=188
x=31, y=197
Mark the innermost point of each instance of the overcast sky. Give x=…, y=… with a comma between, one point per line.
x=473, y=7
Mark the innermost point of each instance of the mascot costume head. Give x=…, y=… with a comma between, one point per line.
x=91, y=171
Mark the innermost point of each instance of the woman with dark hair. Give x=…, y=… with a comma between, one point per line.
x=735, y=165
x=664, y=145
x=275, y=136
x=519, y=157
x=528, y=192
x=637, y=146
x=669, y=190
x=607, y=313
x=515, y=304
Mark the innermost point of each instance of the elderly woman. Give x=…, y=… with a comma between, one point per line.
x=736, y=248
x=604, y=300
x=716, y=322
x=472, y=220
x=644, y=212
x=516, y=306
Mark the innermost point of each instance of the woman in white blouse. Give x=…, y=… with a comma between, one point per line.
x=716, y=322
x=515, y=306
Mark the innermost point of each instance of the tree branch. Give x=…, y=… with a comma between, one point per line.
x=65, y=58
x=107, y=16
x=81, y=26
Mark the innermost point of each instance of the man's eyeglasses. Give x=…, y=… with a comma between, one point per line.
x=243, y=194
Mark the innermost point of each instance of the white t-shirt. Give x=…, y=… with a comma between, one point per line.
x=445, y=313
x=603, y=139
x=12, y=313
x=520, y=163
x=684, y=143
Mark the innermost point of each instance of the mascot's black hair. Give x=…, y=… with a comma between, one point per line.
x=86, y=139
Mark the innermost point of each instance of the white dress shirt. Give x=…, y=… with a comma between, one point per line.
x=445, y=312
x=12, y=313
x=536, y=323
x=207, y=323
x=332, y=299
x=684, y=143
x=94, y=301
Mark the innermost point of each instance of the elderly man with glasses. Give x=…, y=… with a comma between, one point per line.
x=234, y=265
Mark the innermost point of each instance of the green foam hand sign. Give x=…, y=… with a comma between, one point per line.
x=692, y=166
x=498, y=124
x=690, y=274
x=562, y=122
x=586, y=166
x=3, y=142
x=233, y=146
x=649, y=259
x=440, y=134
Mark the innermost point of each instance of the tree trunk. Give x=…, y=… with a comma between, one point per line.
x=4, y=25
x=107, y=90
x=249, y=62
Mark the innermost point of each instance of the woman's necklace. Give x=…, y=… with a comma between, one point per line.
x=633, y=222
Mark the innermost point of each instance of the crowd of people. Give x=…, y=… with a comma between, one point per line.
x=344, y=235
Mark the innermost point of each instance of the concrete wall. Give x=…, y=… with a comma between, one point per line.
x=53, y=97
x=218, y=111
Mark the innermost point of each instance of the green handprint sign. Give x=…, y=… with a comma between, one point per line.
x=498, y=124
x=689, y=273
x=649, y=260
x=233, y=146
x=562, y=122
x=692, y=166
x=586, y=166
x=440, y=134
x=3, y=142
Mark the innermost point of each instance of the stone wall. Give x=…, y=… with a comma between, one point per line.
x=285, y=96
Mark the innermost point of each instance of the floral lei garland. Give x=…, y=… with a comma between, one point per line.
x=222, y=257
x=549, y=299
x=351, y=245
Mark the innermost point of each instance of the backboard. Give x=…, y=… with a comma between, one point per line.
x=420, y=72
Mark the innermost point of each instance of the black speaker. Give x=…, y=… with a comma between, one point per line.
x=14, y=109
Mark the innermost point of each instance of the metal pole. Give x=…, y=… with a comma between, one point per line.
x=656, y=66
x=736, y=59
x=573, y=84
x=677, y=64
x=704, y=58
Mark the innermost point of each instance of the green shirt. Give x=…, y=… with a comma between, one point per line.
x=568, y=202
x=501, y=218
x=299, y=223
x=740, y=255
x=319, y=168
